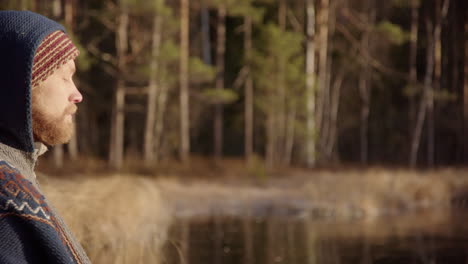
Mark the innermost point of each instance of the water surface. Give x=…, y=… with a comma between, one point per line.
x=428, y=237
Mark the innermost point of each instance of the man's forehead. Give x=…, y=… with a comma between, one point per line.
x=70, y=66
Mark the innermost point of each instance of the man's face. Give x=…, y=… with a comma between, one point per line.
x=53, y=106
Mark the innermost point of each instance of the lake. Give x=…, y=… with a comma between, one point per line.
x=426, y=237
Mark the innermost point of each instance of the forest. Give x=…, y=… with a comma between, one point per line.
x=265, y=131
x=288, y=82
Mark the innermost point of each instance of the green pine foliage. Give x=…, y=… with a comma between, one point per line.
x=277, y=45
x=394, y=33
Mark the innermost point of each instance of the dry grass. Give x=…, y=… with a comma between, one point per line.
x=350, y=194
x=118, y=219
x=375, y=192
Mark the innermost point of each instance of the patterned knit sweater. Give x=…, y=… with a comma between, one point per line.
x=30, y=229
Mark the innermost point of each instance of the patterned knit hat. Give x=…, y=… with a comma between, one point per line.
x=54, y=51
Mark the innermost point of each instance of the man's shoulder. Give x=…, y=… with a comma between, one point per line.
x=19, y=197
x=9, y=174
x=7, y=167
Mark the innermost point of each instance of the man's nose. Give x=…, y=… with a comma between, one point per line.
x=76, y=96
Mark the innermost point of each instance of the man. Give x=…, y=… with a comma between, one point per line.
x=37, y=101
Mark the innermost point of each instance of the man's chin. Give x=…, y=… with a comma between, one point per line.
x=55, y=136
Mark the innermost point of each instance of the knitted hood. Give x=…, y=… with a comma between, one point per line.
x=18, y=44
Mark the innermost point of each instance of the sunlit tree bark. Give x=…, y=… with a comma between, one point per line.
x=248, y=90
x=220, y=52
x=149, y=150
x=465, y=91
x=422, y=111
x=118, y=116
x=326, y=142
x=365, y=83
x=282, y=95
x=184, y=150
x=69, y=12
x=440, y=14
x=413, y=78
x=205, y=25
x=322, y=92
x=335, y=106
x=310, y=86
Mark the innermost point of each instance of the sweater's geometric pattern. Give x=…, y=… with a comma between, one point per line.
x=19, y=198
x=18, y=195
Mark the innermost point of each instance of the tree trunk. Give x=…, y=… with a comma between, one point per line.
x=435, y=85
x=249, y=109
x=322, y=93
x=116, y=155
x=57, y=9
x=365, y=85
x=270, y=139
x=28, y=5
x=455, y=79
x=465, y=93
x=206, y=42
x=290, y=133
x=184, y=82
x=69, y=13
x=441, y=13
x=282, y=9
x=149, y=151
x=118, y=120
x=425, y=97
x=310, y=86
x=365, y=110
x=161, y=110
x=325, y=139
x=413, y=78
x=335, y=105
x=58, y=156
x=73, y=144
x=220, y=52
x=280, y=115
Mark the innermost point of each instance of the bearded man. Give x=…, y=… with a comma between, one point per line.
x=37, y=101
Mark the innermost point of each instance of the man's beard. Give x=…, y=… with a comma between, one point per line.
x=52, y=130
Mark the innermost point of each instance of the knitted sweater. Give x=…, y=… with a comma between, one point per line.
x=30, y=229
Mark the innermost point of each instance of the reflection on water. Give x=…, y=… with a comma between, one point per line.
x=424, y=238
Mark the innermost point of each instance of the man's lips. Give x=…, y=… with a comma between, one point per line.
x=71, y=110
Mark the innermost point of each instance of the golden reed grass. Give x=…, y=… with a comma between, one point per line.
x=351, y=194
x=117, y=219
x=373, y=192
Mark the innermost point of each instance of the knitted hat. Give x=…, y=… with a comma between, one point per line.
x=54, y=51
